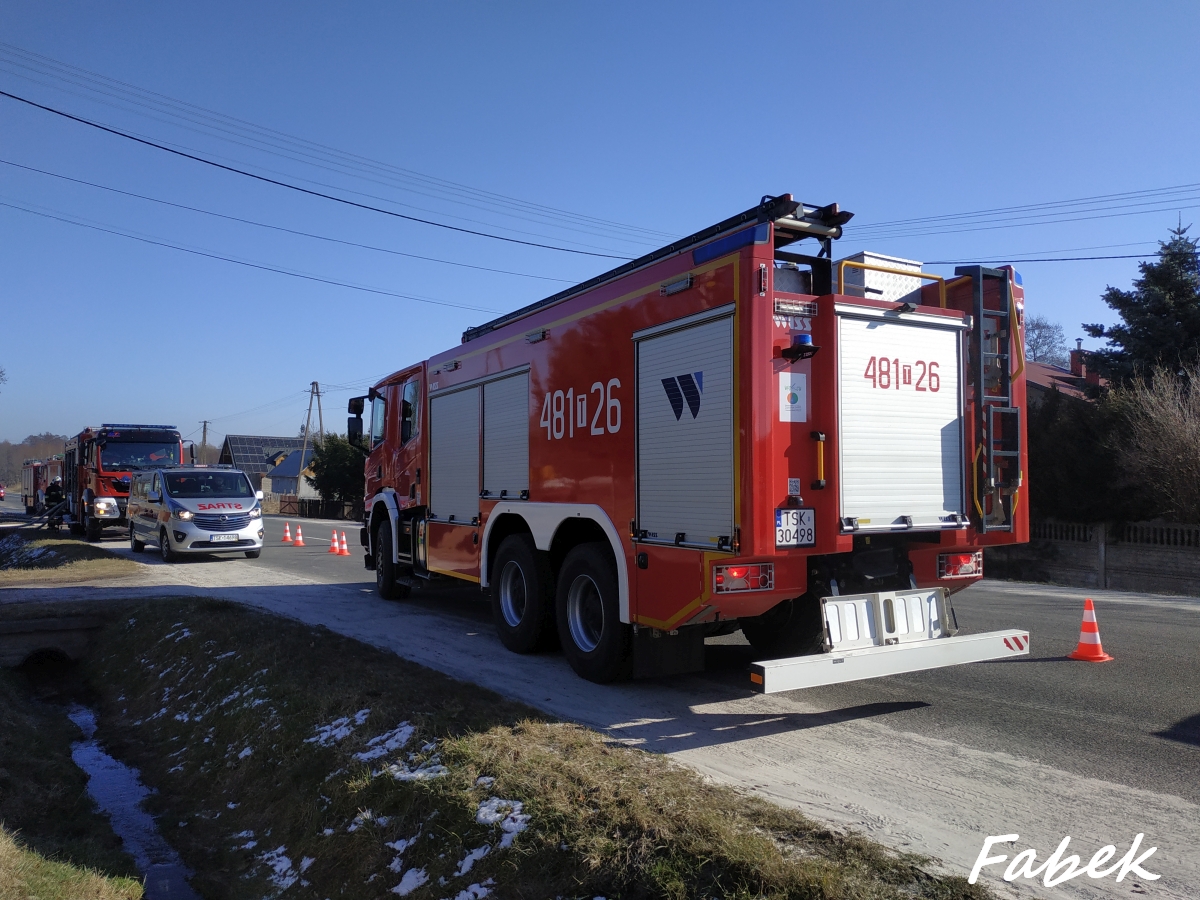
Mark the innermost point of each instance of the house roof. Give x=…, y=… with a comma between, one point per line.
x=252, y=452
x=290, y=467
x=1046, y=377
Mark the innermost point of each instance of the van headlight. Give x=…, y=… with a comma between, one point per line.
x=256, y=513
x=178, y=512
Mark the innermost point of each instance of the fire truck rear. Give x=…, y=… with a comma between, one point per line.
x=97, y=464
x=723, y=434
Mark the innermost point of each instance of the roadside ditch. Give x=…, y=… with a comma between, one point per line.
x=288, y=761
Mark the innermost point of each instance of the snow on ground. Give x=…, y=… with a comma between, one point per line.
x=477, y=891
x=337, y=730
x=387, y=742
x=283, y=873
x=484, y=781
x=505, y=813
x=467, y=862
x=245, y=752
x=412, y=880
x=426, y=771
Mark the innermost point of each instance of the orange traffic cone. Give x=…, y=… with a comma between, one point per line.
x=299, y=542
x=333, y=544
x=345, y=551
x=1090, y=648
x=287, y=533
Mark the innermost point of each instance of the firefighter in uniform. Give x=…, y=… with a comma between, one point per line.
x=54, y=493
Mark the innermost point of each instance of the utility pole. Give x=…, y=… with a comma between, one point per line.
x=313, y=391
x=204, y=442
x=316, y=388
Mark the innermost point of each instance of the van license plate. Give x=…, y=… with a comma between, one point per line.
x=222, y=538
x=795, y=528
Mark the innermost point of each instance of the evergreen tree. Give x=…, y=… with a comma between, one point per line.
x=1160, y=316
x=337, y=469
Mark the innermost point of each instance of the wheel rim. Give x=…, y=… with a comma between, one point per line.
x=164, y=545
x=585, y=613
x=513, y=594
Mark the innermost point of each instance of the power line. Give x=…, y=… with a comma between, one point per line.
x=298, y=188
x=274, y=141
x=253, y=265
x=967, y=262
x=318, y=237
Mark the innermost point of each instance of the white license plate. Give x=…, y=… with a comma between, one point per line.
x=795, y=528
x=223, y=538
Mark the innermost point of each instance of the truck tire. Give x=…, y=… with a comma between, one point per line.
x=522, y=589
x=164, y=547
x=76, y=529
x=791, y=628
x=92, y=528
x=134, y=544
x=595, y=641
x=385, y=568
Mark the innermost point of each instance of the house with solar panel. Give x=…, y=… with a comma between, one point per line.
x=257, y=454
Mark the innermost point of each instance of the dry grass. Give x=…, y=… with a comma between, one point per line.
x=217, y=705
x=30, y=557
x=26, y=875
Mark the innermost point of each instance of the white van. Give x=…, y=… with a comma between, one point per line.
x=195, y=509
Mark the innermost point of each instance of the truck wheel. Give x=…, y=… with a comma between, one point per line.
x=76, y=529
x=791, y=628
x=385, y=569
x=134, y=544
x=522, y=595
x=164, y=548
x=594, y=639
x=92, y=528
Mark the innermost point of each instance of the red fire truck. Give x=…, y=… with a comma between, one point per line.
x=723, y=434
x=97, y=464
x=36, y=475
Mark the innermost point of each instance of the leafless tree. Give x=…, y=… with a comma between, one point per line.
x=1159, y=447
x=1045, y=341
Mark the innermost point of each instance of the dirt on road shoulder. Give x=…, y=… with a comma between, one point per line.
x=287, y=757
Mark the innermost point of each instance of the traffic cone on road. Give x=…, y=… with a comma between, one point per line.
x=287, y=533
x=333, y=544
x=299, y=542
x=345, y=551
x=1090, y=649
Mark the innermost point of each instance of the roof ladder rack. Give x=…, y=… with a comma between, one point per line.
x=997, y=464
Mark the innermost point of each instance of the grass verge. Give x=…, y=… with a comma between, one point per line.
x=53, y=843
x=26, y=558
x=291, y=761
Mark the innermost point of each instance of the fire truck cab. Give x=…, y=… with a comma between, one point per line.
x=97, y=464
x=723, y=434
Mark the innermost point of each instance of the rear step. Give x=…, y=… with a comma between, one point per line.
x=888, y=633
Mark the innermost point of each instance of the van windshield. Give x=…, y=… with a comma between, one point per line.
x=196, y=485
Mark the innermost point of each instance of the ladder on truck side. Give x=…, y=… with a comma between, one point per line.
x=996, y=468
x=888, y=633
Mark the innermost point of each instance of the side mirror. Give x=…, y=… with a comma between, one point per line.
x=355, y=406
x=153, y=496
x=258, y=495
x=354, y=429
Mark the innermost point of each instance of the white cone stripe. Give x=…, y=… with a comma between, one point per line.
x=1089, y=638
x=1089, y=615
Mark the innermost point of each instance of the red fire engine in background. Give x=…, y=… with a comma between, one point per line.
x=722, y=434
x=96, y=471
x=36, y=475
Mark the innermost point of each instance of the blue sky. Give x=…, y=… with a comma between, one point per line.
x=540, y=122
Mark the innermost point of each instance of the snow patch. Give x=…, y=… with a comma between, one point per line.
x=475, y=891
x=427, y=771
x=337, y=730
x=387, y=742
x=283, y=873
x=245, y=752
x=505, y=813
x=412, y=880
x=467, y=862
x=484, y=781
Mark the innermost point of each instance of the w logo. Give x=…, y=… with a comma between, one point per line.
x=684, y=387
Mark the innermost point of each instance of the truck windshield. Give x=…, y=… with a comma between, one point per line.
x=196, y=485
x=116, y=456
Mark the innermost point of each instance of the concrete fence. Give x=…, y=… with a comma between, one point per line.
x=1139, y=556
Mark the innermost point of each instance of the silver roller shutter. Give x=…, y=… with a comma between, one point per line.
x=506, y=436
x=454, y=455
x=901, y=441
x=685, y=433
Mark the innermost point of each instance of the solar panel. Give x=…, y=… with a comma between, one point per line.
x=250, y=452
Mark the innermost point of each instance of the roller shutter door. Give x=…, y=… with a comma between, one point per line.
x=685, y=433
x=506, y=436
x=901, y=424
x=454, y=456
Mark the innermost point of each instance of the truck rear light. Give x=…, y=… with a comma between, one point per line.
x=960, y=565
x=729, y=579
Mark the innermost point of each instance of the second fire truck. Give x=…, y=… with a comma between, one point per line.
x=726, y=433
